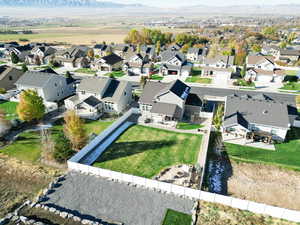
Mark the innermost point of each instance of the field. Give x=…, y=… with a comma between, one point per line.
x=286, y=155
x=176, y=218
x=265, y=184
x=293, y=86
x=200, y=80
x=27, y=147
x=145, y=151
x=20, y=181
x=10, y=109
x=216, y=214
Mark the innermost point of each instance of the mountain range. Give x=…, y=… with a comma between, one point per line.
x=64, y=3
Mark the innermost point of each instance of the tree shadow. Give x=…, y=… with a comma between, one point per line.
x=124, y=149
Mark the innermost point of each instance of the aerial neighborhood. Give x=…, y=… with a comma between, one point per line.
x=186, y=121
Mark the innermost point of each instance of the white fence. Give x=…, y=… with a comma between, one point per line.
x=254, y=207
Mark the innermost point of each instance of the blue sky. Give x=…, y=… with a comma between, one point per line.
x=172, y=3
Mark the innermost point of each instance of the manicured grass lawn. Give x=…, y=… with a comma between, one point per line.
x=28, y=145
x=294, y=86
x=197, y=79
x=116, y=74
x=156, y=77
x=2, y=62
x=177, y=218
x=188, y=126
x=85, y=70
x=287, y=154
x=145, y=151
x=292, y=72
x=241, y=82
x=10, y=108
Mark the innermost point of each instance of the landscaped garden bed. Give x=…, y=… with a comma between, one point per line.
x=145, y=151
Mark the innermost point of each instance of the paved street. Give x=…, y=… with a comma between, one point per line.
x=101, y=198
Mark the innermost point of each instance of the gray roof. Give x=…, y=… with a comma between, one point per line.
x=242, y=111
x=92, y=101
x=37, y=79
x=115, y=90
x=167, y=55
x=228, y=60
x=166, y=109
x=93, y=84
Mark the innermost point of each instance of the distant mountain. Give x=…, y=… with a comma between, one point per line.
x=64, y=3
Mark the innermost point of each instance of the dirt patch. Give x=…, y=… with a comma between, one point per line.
x=266, y=184
x=216, y=214
x=20, y=181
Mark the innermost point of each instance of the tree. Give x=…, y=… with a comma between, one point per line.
x=2, y=91
x=74, y=130
x=158, y=47
x=218, y=117
x=269, y=31
x=14, y=58
x=291, y=37
x=256, y=48
x=31, y=106
x=185, y=48
x=24, y=68
x=68, y=74
x=133, y=37
x=62, y=149
x=283, y=45
x=91, y=53
x=5, y=125
x=47, y=145
x=143, y=81
x=213, y=51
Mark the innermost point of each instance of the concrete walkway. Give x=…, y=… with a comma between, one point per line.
x=101, y=198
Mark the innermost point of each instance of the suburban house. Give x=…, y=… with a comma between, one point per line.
x=149, y=51
x=164, y=102
x=288, y=55
x=108, y=63
x=249, y=119
x=94, y=96
x=138, y=65
x=123, y=49
x=175, y=47
x=219, y=65
x=8, y=77
x=296, y=41
x=102, y=50
x=74, y=57
x=276, y=75
x=174, y=63
x=42, y=52
x=261, y=62
x=270, y=50
x=196, y=54
x=50, y=86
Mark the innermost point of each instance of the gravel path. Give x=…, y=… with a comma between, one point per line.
x=101, y=198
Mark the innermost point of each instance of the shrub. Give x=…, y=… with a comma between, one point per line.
x=2, y=91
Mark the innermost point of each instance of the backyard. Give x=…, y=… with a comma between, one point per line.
x=188, y=126
x=176, y=218
x=27, y=147
x=286, y=154
x=292, y=86
x=10, y=109
x=145, y=151
x=198, y=79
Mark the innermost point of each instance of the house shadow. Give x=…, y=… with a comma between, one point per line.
x=125, y=149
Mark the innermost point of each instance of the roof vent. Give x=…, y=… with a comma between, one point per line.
x=265, y=112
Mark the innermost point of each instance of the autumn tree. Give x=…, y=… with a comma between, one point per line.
x=74, y=130
x=256, y=48
x=31, y=106
x=133, y=37
x=158, y=47
x=5, y=125
x=240, y=53
x=91, y=53
x=24, y=68
x=14, y=58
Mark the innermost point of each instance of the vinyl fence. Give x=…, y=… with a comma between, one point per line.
x=189, y=193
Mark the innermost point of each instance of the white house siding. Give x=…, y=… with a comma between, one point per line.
x=278, y=133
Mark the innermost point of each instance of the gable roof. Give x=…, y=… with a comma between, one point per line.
x=167, y=55
x=228, y=60
x=256, y=59
x=289, y=52
x=112, y=59
x=93, y=84
x=92, y=101
x=166, y=109
x=178, y=88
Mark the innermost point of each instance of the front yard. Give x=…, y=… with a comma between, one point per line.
x=85, y=70
x=198, y=79
x=291, y=86
x=27, y=147
x=287, y=154
x=156, y=77
x=144, y=151
x=115, y=74
x=10, y=109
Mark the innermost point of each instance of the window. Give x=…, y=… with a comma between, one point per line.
x=83, y=92
x=273, y=132
x=55, y=84
x=125, y=93
x=10, y=78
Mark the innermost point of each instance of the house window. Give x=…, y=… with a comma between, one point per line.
x=125, y=93
x=231, y=129
x=10, y=78
x=273, y=132
x=83, y=92
x=55, y=84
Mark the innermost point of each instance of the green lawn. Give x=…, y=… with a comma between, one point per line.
x=145, y=151
x=200, y=80
x=85, y=70
x=292, y=72
x=156, y=77
x=28, y=145
x=177, y=218
x=188, y=126
x=2, y=62
x=287, y=154
x=294, y=86
x=116, y=74
x=242, y=82
x=10, y=108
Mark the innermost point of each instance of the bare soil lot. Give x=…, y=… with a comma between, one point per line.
x=20, y=181
x=265, y=184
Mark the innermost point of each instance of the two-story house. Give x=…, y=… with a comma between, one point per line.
x=196, y=54
x=94, y=96
x=8, y=77
x=219, y=65
x=164, y=102
x=138, y=65
x=108, y=63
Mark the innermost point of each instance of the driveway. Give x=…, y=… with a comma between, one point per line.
x=101, y=198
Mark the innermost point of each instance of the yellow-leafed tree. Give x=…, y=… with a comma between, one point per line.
x=74, y=130
x=31, y=106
